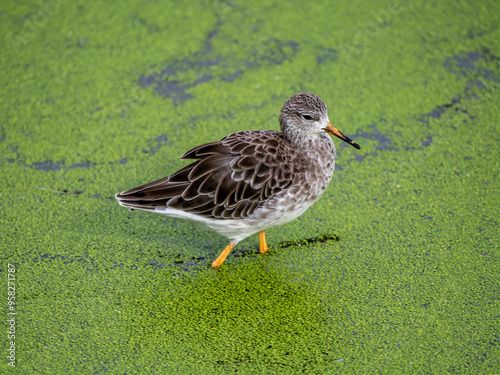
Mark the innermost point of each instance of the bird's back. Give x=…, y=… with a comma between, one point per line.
x=229, y=179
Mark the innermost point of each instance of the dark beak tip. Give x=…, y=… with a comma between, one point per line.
x=356, y=146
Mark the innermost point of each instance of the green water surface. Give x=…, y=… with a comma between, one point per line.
x=98, y=97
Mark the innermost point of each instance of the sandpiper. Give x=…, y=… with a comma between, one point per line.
x=251, y=180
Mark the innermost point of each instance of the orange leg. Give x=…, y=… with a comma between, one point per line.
x=263, y=244
x=222, y=257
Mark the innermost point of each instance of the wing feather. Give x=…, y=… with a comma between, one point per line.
x=229, y=179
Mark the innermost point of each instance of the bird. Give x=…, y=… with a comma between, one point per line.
x=251, y=180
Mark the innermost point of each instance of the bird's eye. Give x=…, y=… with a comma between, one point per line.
x=306, y=117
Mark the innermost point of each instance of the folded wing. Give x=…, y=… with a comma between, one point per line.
x=230, y=179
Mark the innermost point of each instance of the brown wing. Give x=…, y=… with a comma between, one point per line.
x=230, y=179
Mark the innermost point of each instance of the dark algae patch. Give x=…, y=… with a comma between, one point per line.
x=397, y=268
x=309, y=241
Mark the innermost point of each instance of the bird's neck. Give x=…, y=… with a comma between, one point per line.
x=299, y=139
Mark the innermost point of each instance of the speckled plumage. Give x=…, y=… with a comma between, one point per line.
x=250, y=180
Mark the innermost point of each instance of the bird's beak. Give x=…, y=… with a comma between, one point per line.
x=330, y=129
